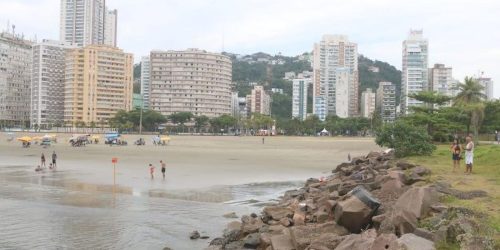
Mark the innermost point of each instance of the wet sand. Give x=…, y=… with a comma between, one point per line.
x=77, y=206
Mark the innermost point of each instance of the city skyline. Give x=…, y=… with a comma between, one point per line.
x=464, y=42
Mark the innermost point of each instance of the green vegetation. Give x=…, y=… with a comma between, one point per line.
x=485, y=176
x=130, y=120
x=333, y=124
x=369, y=79
x=405, y=139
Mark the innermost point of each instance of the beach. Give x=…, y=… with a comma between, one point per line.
x=206, y=176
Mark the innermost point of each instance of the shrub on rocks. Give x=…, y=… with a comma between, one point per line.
x=405, y=139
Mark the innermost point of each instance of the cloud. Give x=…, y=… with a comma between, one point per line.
x=462, y=33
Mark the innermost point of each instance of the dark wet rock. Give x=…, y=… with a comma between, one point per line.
x=217, y=242
x=235, y=245
x=232, y=231
x=277, y=213
x=311, y=181
x=405, y=165
x=194, y=235
x=299, y=194
x=417, y=200
x=252, y=241
x=231, y=215
x=167, y=248
x=413, y=242
x=355, y=212
x=254, y=215
x=302, y=236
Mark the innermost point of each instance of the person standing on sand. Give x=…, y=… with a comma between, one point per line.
x=151, y=170
x=54, y=159
x=456, y=151
x=42, y=159
x=163, y=168
x=469, y=154
x=263, y=140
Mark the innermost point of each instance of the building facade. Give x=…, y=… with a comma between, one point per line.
x=299, y=98
x=487, y=84
x=192, y=80
x=368, y=103
x=386, y=101
x=235, y=105
x=98, y=84
x=15, y=80
x=145, y=80
x=110, y=27
x=82, y=21
x=259, y=101
x=335, y=75
x=414, y=77
x=441, y=80
x=47, y=83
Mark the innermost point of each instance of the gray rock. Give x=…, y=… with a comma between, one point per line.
x=232, y=231
x=325, y=241
x=252, y=241
x=277, y=213
x=362, y=241
x=404, y=222
x=282, y=242
x=404, y=165
x=194, y=235
x=217, y=242
x=421, y=171
x=413, y=242
x=302, y=236
x=417, y=200
x=355, y=212
x=424, y=233
x=383, y=241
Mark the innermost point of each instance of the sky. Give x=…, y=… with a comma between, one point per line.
x=463, y=34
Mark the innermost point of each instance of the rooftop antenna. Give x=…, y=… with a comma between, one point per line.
x=13, y=29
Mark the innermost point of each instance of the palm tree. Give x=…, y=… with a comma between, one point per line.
x=470, y=98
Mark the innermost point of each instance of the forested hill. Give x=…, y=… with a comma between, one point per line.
x=370, y=79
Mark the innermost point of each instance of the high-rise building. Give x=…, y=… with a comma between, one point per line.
x=487, y=84
x=192, y=80
x=47, y=83
x=110, y=27
x=441, y=80
x=414, y=77
x=259, y=101
x=367, y=103
x=15, y=80
x=82, y=21
x=299, y=98
x=98, y=84
x=335, y=75
x=235, y=105
x=145, y=80
x=386, y=101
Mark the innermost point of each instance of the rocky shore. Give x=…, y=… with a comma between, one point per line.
x=373, y=202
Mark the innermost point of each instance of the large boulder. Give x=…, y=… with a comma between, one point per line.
x=383, y=241
x=325, y=241
x=362, y=241
x=252, y=241
x=417, y=200
x=302, y=236
x=404, y=165
x=282, y=242
x=404, y=222
x=277, y=213
x=232, y=231
x=355, y=212
x=251, y=224
x=412, y=242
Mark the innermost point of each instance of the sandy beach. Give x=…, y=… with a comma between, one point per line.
x=207, y=176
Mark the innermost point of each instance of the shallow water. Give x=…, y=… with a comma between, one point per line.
x=51, y=210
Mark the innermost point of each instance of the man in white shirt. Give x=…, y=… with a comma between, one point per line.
x=469, y=154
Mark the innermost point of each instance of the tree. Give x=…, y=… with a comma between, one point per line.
x=470, y=99
x=405, y=139
x=200, y=122
x=491, y=121
x=180, y=117
x=425, y=114
x=131, y=119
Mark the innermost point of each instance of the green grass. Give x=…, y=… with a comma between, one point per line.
x=485, y=176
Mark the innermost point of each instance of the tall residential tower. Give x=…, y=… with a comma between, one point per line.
x=414, y=77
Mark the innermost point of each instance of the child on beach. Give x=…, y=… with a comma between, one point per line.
x=151, y=170
x=38, y=169
x=42, y=159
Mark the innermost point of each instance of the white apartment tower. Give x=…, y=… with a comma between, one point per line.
x=110, y=27
x=86, y=22
x=487, y=84
x=145, y=80
x=299, y=98
x=414, y=77
x=441, y=80
x=367, y=103
x=335, y=77
x=386, y=101
x=15, y=80
x=192, y=80
x=47, y=83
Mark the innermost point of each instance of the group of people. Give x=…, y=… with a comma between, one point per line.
x=152, y=169
x=456, y=154
x=43, y=164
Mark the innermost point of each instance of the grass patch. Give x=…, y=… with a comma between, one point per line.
x=485, y=176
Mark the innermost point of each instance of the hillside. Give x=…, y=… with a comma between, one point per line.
x=369, y=79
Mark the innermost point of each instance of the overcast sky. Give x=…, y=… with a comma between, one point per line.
x=461, y=34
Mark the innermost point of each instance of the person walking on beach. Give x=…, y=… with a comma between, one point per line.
x=456, y=151
x=151, y=170
x=263, y=138
x=42, y=159
x=469, y=154
x=54, y=159
x=163, y=168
